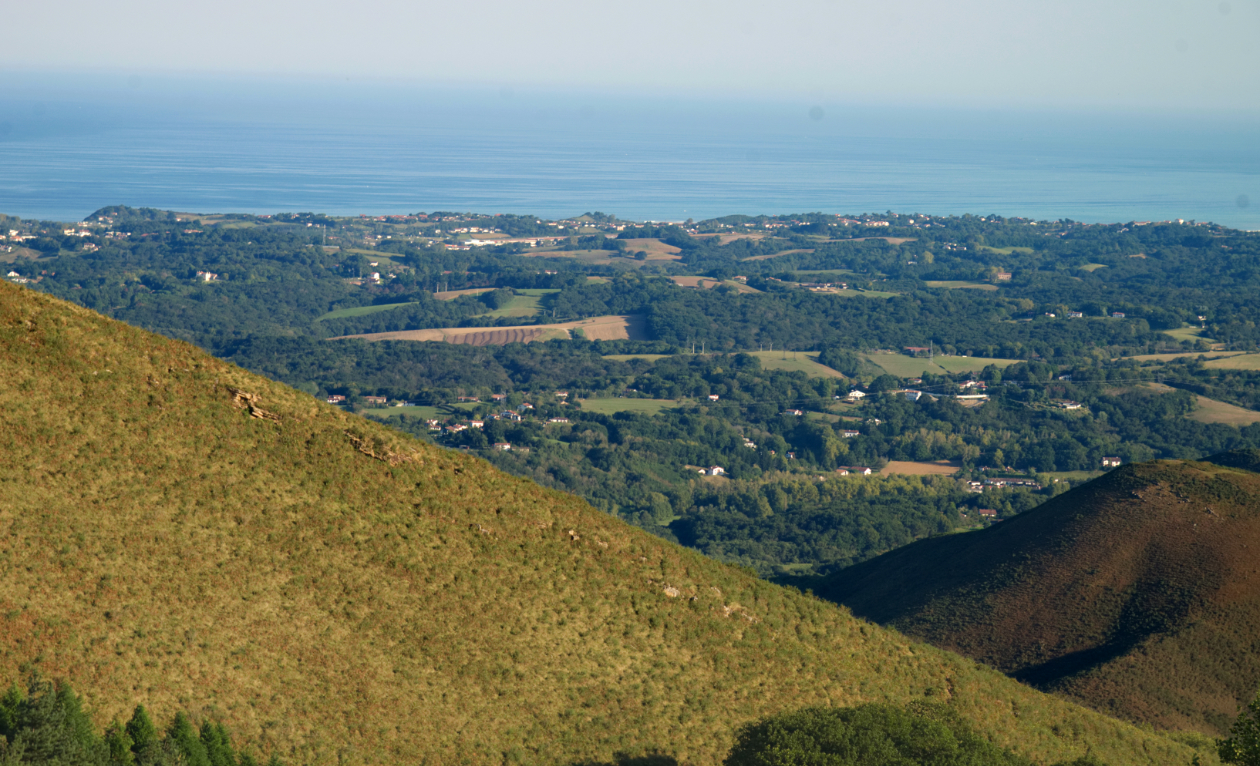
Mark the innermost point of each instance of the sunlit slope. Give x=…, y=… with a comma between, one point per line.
x=176, y=531
x=1138, y=593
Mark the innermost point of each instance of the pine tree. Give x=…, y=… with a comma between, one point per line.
x=50, y=728
x=119, y=744
x=141, y=730
x=185, y=739
x=9, y=704
x=218, y=744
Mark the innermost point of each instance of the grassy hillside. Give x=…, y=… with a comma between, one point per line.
x=1138, y=593
x=176, y=531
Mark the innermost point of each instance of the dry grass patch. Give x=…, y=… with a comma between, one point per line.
x=709, y=283
x=450, y=295
x=656, y=250
x=909, y=468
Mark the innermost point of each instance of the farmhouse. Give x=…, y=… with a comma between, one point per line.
x=502, y=446
x=336, y=399
x=375, y=399
x=716, y=470
x=1110, y=462
x=850, y=434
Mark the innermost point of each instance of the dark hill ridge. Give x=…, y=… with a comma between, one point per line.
x=178, y=532
x=1138, y=593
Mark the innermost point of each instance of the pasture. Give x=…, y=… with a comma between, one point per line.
x=709, y=283
x=612, y=406
x=954, y=284
x=1189, y=333
x=359, y=311
x=902, y=366
x=776, y=255
x=423, y=411
x=795, y=361
x=526, y=303
x=1236, y=362
x=1211, y=356
x=656, y=250
x=911, y=468
x=1006, y=250
x=1213, y=411
x=450, y=295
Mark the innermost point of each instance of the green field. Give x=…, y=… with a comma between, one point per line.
x=1006, y=250
x=792, y=361
x=526, y=303
x=795, y=361
x=865, y=293
x=1072, y=476
x=903, y=366
x=422, y=411
x=1092, y=266
x=959, y=284
x=359, y=311
x=628, y=357
x=1213, y=411
x=1188, y=333
x=1240, y=362
x=613, y=406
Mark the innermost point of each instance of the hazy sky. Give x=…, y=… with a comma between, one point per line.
x=1149, y=54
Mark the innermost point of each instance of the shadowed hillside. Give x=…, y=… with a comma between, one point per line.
x=1138, y=593
x=178, y=532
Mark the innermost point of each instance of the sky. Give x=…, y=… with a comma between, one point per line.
x=1167, y=56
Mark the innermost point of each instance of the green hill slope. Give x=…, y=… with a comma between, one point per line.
x=1138, y=594
x=178, y=532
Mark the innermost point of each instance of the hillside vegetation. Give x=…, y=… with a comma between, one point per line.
x=178, y=532
x=1138, y=593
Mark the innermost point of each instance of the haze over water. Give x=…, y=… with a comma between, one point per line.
x=218, y=147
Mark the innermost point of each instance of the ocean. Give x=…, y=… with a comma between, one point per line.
x=69, y=147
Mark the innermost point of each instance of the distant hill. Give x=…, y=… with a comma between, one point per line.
x=1138, y=593
x=178, y=532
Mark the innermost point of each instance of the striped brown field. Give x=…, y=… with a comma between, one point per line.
x=596, y=328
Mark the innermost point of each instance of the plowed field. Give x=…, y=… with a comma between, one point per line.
x=596, y=328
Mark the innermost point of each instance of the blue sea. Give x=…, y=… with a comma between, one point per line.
x=69, y=146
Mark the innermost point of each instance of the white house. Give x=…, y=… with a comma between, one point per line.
x=716, y=470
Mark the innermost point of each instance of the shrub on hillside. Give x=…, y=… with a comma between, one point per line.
x=1243, y=745
x=868, y=735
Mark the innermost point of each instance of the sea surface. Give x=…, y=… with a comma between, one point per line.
x=69, y=147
